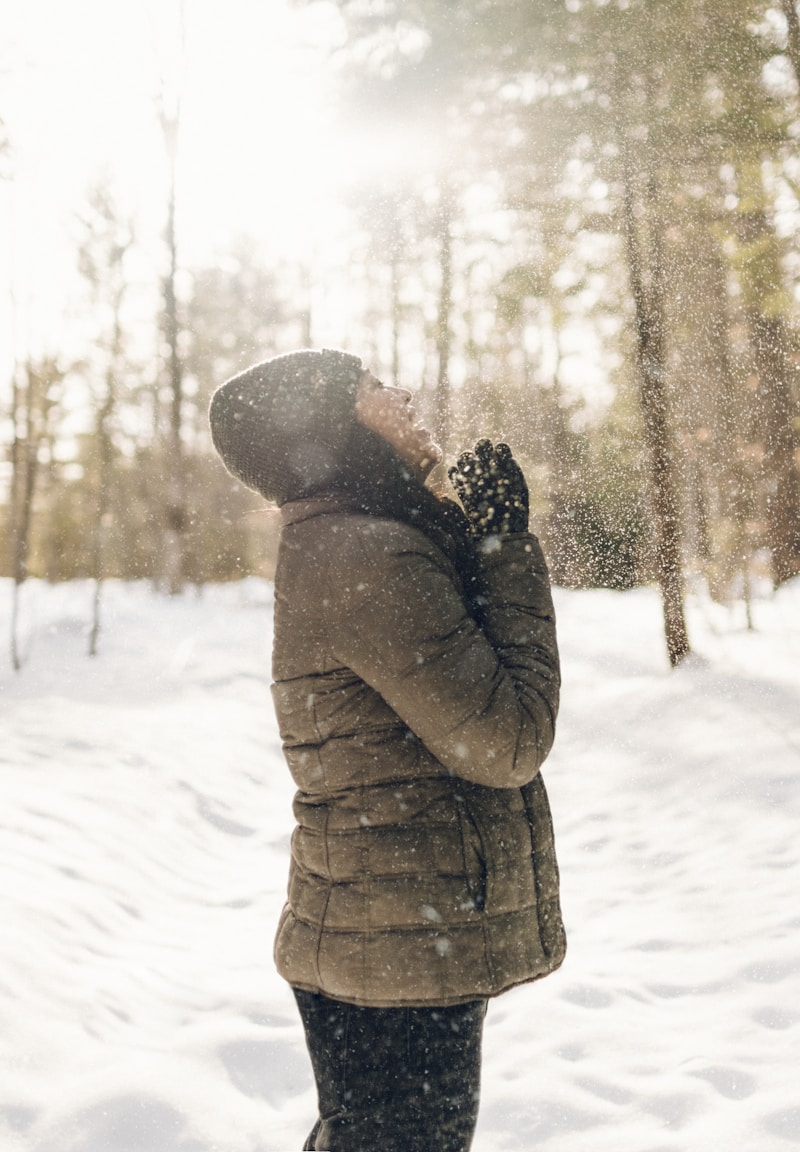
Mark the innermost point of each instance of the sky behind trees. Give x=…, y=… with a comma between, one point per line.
x=570, y=223
x=80, y=87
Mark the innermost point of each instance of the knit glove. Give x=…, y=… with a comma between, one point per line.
x=492, y=489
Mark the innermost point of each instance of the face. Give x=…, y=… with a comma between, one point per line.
x=389, y=412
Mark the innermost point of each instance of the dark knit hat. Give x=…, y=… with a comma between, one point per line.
x=282, y=426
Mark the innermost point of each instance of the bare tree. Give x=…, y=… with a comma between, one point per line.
x=33, y=396
x=101, y=256
x=641, y=210
x=174, y=505
x=444, y=333
x=766, y=307
x=789, y=9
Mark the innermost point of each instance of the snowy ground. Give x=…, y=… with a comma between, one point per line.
x=144, y=810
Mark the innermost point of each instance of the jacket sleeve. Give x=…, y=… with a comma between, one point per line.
x=483, y=700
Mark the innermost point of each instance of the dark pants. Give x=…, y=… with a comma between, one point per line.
x=393, y=1079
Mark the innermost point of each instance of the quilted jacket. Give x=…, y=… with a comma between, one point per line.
x=423, y=869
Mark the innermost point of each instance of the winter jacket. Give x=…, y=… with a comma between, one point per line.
x=423, y=869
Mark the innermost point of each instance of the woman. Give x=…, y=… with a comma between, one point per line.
x=416, y=687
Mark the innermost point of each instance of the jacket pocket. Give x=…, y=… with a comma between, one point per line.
x=545, y=872
x=473, y=855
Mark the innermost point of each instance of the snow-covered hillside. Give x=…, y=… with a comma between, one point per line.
x=144, y=827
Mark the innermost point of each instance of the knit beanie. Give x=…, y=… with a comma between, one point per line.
x=282, y=427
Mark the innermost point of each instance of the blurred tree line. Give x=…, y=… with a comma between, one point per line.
x=605, y=183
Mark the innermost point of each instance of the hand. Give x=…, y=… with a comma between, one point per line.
x=491, y=487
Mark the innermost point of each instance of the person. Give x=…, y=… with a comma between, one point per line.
x=416, y=683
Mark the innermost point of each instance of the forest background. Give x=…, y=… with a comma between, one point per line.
x=570, y=223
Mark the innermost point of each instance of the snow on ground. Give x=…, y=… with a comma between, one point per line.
x=144, y=829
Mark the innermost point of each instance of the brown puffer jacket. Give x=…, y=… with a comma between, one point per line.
x=423, y=868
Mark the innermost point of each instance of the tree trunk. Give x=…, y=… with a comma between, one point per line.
x=647, y=288
x=396, y=311
x=789, y=8
x=102, y=510
x=307, y=313
x=733, y=477
x=771, y=341
x=27, y=423
x=443, y=328
x=175, y=517
x=101, y=258
x=17, y=531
